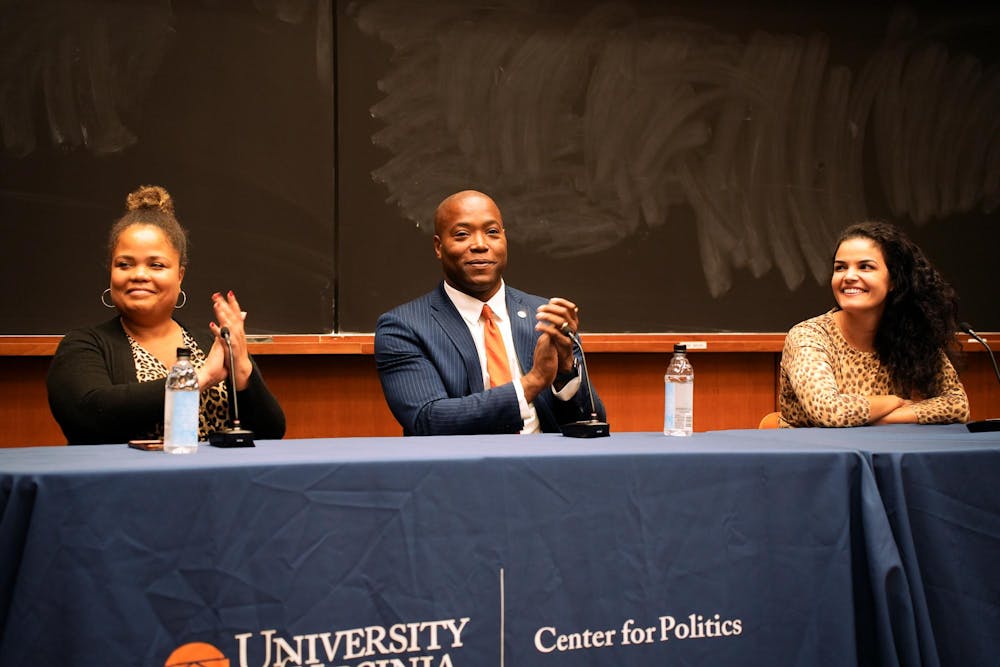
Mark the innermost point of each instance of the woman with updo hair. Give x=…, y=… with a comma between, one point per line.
x=884, y=354
x=106, y=383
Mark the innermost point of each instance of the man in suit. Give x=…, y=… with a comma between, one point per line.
x=449, y=366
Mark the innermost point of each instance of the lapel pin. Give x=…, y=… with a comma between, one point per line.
x=522, y=314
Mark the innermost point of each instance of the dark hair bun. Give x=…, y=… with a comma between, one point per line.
x=150, y=196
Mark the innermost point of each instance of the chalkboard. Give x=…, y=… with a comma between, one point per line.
x=229, y=105
x=669, y=166
x=672, y=166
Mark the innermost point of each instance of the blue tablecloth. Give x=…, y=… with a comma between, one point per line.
x=811, y=547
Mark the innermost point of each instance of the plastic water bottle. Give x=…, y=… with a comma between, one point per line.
x=678, y=394
x=180, y=406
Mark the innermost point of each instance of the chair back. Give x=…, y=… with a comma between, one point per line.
x=770, y=420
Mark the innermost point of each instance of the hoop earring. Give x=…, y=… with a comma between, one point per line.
x=106, y=292
x=184, y=300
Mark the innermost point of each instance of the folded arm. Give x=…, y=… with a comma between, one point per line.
x=810, y=372
x=949, y=406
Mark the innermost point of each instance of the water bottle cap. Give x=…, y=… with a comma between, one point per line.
x=183, y=352
x=678, y=347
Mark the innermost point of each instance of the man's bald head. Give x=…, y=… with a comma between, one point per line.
x=452, y=206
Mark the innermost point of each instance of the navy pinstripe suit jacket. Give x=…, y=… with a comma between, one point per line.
x=431, y=377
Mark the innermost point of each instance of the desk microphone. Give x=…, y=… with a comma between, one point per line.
x=983, y=425
x=590, y=428
x=234, y=436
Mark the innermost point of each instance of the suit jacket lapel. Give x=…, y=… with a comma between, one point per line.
x=523, y=329
x=445, y=314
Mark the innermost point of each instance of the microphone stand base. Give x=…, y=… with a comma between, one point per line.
x=984, y=425
x=586, y=429
x=231, y=437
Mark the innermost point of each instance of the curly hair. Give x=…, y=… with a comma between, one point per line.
x=921, y=312
x=150, y=205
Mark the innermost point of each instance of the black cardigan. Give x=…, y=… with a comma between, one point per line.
x=96, y=398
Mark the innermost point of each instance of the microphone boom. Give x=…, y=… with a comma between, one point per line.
x=234, y=436
x=982, y=425
x=589, y=428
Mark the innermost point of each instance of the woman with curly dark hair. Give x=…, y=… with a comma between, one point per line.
x=884, y=354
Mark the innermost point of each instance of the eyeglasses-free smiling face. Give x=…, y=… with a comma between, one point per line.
x=860, y=278
x=471, y=243
x=146, y=274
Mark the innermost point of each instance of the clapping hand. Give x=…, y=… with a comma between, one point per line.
x=228, y=315
x=555, y=318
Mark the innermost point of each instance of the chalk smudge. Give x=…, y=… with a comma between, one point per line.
x=593, y=129
x=91, y=63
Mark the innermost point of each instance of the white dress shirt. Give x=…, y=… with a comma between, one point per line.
x=471, y=310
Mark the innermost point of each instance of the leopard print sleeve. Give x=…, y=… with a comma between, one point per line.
x=811, y=370
x=951, y=405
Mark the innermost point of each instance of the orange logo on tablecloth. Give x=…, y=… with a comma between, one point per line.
x=197, y=654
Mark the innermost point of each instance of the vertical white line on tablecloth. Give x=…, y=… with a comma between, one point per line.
x=503, y=616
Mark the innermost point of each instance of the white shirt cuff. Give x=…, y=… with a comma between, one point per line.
x=569, y=389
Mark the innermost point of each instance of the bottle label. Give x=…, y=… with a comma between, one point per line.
x=669, y=401
x=678, y=401
x=180, y=418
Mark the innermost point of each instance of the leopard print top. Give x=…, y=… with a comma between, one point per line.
x=214, y=402
x=825, y=381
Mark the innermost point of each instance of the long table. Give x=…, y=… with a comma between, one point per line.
x=874, y=546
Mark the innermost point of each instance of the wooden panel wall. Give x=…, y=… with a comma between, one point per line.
x=24, y=408
x=337, y=395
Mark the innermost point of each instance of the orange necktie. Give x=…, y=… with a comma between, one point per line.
x=497, y=365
